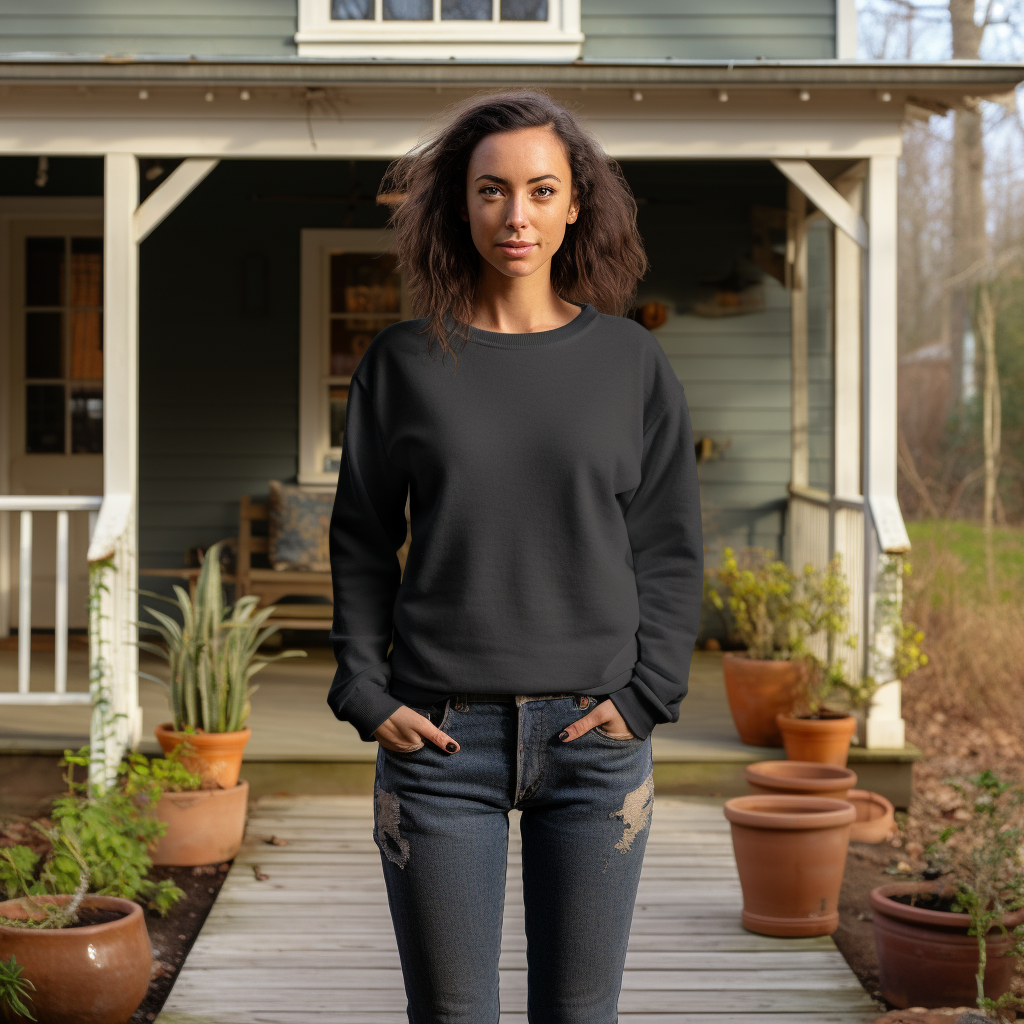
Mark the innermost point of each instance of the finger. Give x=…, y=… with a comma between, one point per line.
x=439, y=739
x=573, y=732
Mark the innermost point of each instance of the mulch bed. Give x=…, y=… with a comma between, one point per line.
x=172, y=936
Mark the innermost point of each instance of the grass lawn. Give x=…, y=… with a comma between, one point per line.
x=932, y=538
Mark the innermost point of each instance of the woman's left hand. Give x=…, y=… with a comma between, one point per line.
x=606, y=714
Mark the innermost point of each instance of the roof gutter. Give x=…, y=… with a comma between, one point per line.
x=970, y=77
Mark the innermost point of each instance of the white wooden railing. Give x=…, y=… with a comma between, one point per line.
x=113, y=677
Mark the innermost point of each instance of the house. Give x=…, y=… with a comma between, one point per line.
x=186, y=193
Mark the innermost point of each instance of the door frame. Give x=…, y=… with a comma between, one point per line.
x=15, y=208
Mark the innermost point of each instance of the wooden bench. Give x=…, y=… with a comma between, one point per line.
x=271, y=585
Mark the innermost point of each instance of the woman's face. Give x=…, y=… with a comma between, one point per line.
x=519, y=198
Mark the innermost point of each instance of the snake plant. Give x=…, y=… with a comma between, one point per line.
x=212, y=653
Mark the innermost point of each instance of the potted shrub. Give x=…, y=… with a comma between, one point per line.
x=823, y=721
x=767, y=678
x=956, y=939
x=70, y=958
x=790, y=854
x=212, y=654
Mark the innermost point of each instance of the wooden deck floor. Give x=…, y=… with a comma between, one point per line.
x=313, y=943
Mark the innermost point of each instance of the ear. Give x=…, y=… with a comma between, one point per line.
x=574, y=210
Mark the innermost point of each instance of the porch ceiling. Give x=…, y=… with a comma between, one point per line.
x=945, y=82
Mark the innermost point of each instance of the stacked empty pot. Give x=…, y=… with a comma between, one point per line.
x=790, y=838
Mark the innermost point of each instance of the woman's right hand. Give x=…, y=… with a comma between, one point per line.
x=407, y=730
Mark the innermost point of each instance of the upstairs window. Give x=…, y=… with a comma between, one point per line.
x=441, y=29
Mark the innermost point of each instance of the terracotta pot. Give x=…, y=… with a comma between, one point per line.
x=97, y=974
x=876, y=817
x=758, y=691
x=203, y=827
x=218, y=755
x=926, y=958
x=825, y=740
x=800, y=778
x=790, y=853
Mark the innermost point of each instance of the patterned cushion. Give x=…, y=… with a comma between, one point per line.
x=299, y=521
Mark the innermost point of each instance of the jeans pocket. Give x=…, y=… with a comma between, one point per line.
x=614, y=739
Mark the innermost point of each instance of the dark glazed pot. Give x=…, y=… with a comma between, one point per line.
x=757, y=691
x=93, y=975
x=926, y=958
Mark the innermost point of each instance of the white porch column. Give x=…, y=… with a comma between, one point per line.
x=121, y=411
x=796, y=258
x=885, y=533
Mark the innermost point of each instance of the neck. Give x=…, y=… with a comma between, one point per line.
x=519, y=305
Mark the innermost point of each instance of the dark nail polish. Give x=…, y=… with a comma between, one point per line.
x=451, y=748
x=563, y=735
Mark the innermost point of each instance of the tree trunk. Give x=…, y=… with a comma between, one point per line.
x=991, y=424
x=969, y=236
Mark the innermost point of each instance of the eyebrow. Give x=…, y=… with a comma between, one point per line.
x=504, y=181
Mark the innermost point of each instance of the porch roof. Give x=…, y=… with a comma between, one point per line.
x=942, y=81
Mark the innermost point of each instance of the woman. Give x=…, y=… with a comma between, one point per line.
x=547, y=613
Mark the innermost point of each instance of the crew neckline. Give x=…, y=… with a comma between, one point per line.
x=500, y=339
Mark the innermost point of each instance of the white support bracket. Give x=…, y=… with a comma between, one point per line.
x=168, y=194
x=825, y=198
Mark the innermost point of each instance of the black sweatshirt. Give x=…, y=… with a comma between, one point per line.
x=556, y=530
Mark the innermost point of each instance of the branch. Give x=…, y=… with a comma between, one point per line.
x=906, y=459
x=973, y=477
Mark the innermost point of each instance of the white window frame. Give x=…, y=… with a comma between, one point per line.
x=559, y=38
x=315, y=378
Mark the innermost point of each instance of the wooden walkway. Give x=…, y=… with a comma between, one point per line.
x=313, y=942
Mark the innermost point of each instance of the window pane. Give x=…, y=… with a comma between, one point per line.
x=44, y=271
x=43, y=345
x=524, y=10
x=44, y=418
x=339, y=406
x=352, y=10
x=408, y=10
x=350, y=339
x=86, y=344
x=86, y=421
x=364, y=283
x=466, y=10
x=87, y=271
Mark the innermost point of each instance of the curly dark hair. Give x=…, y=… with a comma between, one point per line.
x=600, y=260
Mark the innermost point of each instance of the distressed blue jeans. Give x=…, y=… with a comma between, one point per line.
x=441, y=823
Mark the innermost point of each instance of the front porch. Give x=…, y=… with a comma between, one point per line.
x=298, y=747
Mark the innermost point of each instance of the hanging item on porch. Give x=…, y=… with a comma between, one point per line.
x=733, y=295
x=768, y=227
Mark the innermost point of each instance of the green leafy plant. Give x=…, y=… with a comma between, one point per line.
x=981, y=860
x=101, y=837
x=762, y=597
x=32, y=893
x=212, y=653
x=14, y=989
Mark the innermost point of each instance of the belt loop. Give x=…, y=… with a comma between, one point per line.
x=461, y=702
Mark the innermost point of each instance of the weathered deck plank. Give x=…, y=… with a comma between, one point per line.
x=313, y=942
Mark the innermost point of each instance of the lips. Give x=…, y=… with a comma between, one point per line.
x=516, y=248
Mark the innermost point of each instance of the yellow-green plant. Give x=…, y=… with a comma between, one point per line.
x=14, y=989
x=762, y=596
x=212, y=653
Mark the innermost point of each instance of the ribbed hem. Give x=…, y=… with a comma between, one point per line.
x=497, y=339
x=630, y=705
x=367, y=706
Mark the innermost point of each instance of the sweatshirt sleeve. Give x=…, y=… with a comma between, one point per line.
x=664, y=526
x=367, y=528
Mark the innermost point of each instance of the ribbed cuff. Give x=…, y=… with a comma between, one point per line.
x=368, y=706
x=630, y=705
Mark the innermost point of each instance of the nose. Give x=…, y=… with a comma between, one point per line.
x=515, y=216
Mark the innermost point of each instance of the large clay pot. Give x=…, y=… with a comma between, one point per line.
x=926, y=958
x=800, y=778
x=97, y=974
x=825, y=740
x=203, y=827
x=218, y=755
x=758, y=691
x=790, y=853
x=876, y=817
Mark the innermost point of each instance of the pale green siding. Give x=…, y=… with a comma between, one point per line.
x=201, y=27
x=710, y=29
